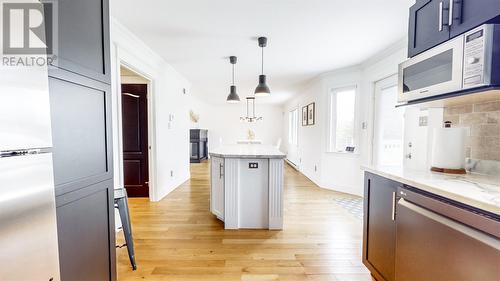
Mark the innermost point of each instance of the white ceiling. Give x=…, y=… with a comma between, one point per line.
x=306, y=38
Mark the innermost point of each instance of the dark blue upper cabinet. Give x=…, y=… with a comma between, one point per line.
x=427, y=27
x=432, y=22
x=468, y=14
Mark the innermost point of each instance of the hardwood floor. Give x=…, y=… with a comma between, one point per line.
x=179, y=239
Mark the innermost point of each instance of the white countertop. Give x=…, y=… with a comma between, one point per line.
x=478, y=191
x=247, y=151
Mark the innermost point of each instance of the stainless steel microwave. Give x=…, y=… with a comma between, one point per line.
x=466, y=63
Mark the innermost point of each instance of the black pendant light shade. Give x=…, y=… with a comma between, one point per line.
x=233, y=96
x=262, y=89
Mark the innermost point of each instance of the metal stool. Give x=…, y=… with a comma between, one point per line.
x=121, y=203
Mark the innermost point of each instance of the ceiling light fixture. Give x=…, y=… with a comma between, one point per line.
x=233, y=96
x=248, y=118
x=262, y=89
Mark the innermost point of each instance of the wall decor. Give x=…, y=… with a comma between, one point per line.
x=304, y=116
x=311, y=114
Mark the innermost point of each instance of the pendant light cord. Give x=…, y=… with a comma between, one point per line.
x=262, y=60
x=233, y=74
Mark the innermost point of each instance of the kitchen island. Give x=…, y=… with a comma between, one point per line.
x=247, y=186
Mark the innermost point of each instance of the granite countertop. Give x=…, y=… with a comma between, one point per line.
x=480, y=191
x=247, y=151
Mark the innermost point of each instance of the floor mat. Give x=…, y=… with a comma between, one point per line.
x=352, y=204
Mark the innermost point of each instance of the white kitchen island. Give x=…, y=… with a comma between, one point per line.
x=247, y=186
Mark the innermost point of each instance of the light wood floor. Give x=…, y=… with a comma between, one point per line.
x=179, y=239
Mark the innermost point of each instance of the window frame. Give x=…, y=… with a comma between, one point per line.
x=332, y=119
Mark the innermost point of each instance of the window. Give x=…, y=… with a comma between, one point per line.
x=293, y=126
x=342, y=119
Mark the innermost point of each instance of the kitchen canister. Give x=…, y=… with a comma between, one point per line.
x=448, y=150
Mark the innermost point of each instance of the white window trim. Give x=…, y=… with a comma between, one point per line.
x=332, y=120
x=290, y=142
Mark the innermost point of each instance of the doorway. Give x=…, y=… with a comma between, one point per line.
x=388, y=131
x=134, y=103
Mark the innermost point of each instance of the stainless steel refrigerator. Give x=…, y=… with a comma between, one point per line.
x=28, y=229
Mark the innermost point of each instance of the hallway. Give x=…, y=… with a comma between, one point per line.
x=179, y=239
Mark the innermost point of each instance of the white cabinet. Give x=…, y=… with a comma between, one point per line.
x=217, y=187
x=253, y=193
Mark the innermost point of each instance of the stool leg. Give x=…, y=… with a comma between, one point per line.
x=127, y=229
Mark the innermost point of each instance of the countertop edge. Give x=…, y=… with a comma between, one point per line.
x=247, y=156
x=434, y=190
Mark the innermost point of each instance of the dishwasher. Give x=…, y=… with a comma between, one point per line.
x=439, y=239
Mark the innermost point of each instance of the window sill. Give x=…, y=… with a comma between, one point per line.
x=344, y=153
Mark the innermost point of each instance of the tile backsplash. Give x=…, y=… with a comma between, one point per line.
x=483, y=121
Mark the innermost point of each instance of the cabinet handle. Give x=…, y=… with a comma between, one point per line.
x=220, y=171
x=393, y=214
x=450, y=13
x=440, y=16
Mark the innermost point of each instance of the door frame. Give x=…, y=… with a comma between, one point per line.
x=139, y=81
x=122, y=58
x=385, y=83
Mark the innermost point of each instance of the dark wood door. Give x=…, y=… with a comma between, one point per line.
x=135, y=139
x=424, y=31
x=468, y=14
x=379, y=236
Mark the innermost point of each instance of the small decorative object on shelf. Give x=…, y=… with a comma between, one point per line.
x=251, y=135
x=194, y=117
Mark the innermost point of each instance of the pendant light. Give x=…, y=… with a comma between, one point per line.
x=262, y=89
x=233, y=96
x=250, y=118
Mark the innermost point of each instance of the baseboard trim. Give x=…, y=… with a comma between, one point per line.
x=292, y=165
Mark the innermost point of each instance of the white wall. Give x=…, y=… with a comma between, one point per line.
x=337, y=171
x=223, y=121
x=420, y=137
x=169, y=140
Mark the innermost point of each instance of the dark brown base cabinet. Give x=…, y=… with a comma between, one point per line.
x=379, y=237
x=426, y=237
